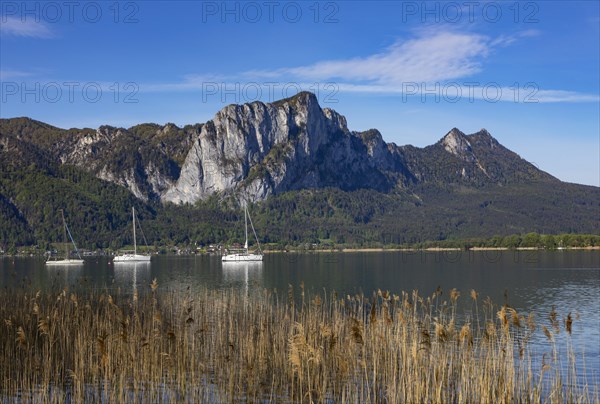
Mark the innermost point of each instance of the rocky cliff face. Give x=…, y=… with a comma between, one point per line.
x=146, y=159
x=257, y=149
x=260, y=149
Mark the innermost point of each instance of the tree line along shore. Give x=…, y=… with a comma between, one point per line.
x=527, y=242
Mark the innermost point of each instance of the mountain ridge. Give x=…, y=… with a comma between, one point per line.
x=259, y=149
x=291, y=158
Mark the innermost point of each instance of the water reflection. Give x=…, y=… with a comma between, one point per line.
x=131, y=275
x=66, y=275
x=242, y=274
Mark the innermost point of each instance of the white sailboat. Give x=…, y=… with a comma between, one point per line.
x=129, y=257
x=243, y=255
x=66, y=261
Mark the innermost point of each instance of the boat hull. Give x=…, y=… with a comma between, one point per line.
x=242, y=258
x=64, y=262
x=131, y=258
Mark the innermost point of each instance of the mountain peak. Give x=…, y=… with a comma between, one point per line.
x=455, y=142
x=484, y=134
x=303, y=97
x=484, y=137
x=455, y=132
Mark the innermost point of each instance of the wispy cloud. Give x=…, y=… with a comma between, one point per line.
x=565, y=96
x=13, y=74
x=457, y=91
x=449, y=91
x=427, y=58
x=505, y=40
x=12, y=26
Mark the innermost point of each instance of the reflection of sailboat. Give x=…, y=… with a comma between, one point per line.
x=243, y=255
x=135, y=257
x=66, y=260
x=127, y=273
x=236, y=272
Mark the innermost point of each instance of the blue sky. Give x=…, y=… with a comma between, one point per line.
x=526, y=71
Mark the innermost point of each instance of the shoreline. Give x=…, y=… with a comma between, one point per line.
x=431, y=249
x=360, y=250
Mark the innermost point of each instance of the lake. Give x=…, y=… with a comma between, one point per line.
x=529, y=281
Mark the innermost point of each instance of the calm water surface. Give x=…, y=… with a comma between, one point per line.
x=526, y=280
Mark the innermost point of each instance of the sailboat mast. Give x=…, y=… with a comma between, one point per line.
x=62, y=214
x=246, y=225
x=134, y=242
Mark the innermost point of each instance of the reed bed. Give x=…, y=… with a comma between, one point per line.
x=286, y=346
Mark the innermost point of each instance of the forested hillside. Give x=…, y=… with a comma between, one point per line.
x=306, y=176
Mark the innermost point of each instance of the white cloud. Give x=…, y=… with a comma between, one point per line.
x=12, y=74
x=427, y=58
x=467, y=91
x=505, y=40
x=565, y=96
x=24, y=28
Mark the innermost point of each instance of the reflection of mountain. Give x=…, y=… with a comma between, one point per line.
x=242, y=273
x=132, y=275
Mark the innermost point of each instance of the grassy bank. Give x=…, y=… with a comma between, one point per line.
x=226, y=346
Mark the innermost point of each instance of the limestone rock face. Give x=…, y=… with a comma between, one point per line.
x=456, y=143
x=142, y=162
x=258, y=149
